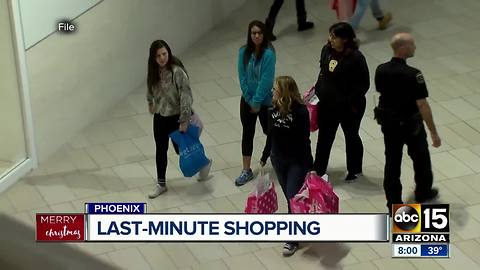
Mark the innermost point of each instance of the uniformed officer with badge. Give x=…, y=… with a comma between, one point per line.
x=401, y=111
x=341, y=87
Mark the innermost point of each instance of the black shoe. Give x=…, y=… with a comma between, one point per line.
x=432, y=194
x=289, y=249
x=305, y=26
x=270, y=36
x=389, y=207
x=351, y=177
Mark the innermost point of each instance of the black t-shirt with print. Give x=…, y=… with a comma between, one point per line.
x=290, y=135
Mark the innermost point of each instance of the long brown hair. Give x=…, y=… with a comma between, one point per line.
x=250, y=46
x=287, y=94
x=344, y=31
x=153, y=75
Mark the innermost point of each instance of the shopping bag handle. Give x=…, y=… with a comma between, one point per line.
x=323, y=177
x=261, y=171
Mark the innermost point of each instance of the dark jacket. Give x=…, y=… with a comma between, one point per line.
x=347, y=83
x=290, y=135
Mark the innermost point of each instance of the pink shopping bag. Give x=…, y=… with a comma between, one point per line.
x=315, y=196
x=311, y=101
x=263, y=198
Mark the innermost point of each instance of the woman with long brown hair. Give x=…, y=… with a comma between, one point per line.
x=289, y=127
x=170, y=101
x=256, y=72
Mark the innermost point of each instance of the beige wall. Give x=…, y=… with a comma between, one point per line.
x=12, y=142
x=74, y=78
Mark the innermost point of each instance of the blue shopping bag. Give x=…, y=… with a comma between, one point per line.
x=192, y=153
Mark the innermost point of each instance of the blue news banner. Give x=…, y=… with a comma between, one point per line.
x=115, y=208
x=130, y=222
x=421, y=250
x=434, y=250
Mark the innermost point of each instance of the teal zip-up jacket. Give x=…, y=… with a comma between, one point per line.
x=256, y=80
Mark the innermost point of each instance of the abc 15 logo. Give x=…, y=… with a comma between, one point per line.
x=419, y=218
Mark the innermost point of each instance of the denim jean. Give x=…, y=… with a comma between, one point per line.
x=291, y=175
x=360, y=9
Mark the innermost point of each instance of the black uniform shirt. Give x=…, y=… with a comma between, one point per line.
x=400, y=86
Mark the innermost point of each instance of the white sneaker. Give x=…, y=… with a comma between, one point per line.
x=157, y=191
x=205, y=171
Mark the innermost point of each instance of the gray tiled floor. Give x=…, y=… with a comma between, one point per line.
x=113, y=158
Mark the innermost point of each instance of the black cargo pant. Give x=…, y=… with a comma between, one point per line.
x=395, y=137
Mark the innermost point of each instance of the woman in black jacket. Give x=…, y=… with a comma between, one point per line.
x=341, y=87
x=289, y=128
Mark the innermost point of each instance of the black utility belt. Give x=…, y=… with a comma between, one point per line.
x=388, y=116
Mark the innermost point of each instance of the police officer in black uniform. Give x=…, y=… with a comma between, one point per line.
x=401, y=111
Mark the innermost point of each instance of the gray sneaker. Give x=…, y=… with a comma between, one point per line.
x=157, y=191
x=245, y=176
x=205, y=171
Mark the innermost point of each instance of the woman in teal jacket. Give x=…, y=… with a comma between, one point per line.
x=256, y=73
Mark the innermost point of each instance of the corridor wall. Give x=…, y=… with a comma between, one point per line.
x=74, y=78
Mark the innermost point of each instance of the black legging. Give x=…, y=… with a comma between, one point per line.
x=330, y=116
x=162, y=127
x=249, y=121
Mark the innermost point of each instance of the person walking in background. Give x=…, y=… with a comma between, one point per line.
x=256, y=72
x=170, y=101
x=289, y=128
x=402, y=109
x=360, y=9
x=302, y=22
x=341, y=87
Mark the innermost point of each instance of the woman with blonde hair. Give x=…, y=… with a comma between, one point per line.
x=289, y=128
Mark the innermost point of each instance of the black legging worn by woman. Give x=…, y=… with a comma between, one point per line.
x=162, y=127
x=249, y=121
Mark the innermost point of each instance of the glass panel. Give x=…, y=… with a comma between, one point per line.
x=12, y=137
